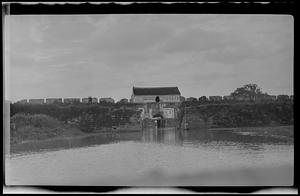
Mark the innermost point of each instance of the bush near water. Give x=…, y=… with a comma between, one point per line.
x=48, y=121
x=239, y=115
x=32, y=127
x=91, y=117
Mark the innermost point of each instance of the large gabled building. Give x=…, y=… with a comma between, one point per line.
x=155, y=94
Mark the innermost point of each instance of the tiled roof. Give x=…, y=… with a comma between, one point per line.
x=156, y=91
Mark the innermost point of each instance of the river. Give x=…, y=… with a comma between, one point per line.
x=155, y=157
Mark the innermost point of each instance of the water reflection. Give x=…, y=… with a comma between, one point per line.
x=156, y=157
x=166, y=136
x=169, y=136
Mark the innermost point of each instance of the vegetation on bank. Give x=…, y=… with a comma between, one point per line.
x=105, y=115
x=38, y=127
x=48, y=121
x=240, y=115
x=44, y=121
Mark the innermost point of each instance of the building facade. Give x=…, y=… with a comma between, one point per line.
x=90, y=100
x=106, y=100
x=191, y=99
x=152, y=95
x=124, y=100
x=71, y=100
x=215, y=98
x=36, y=101
x=53, y=100
x=228, y=98
x=23, y=101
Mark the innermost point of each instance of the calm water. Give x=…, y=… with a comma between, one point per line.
x=156, y=157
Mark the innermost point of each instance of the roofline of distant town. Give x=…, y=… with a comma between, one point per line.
x=125, y=100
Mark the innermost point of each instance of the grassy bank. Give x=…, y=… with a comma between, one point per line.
x=40, y=127
x=285, y=131
x=238, y=115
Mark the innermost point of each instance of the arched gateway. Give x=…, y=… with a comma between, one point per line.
x=159, y=120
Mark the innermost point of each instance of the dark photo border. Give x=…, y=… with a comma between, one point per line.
x=203, y=7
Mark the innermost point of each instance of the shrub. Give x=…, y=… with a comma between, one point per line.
x=37, y=126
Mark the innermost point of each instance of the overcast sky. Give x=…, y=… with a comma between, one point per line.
x=105, y=55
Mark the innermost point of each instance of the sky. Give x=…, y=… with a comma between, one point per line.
x=49, y=56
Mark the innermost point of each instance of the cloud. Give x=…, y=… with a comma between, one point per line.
x=103, y=54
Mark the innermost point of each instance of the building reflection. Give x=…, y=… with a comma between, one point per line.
x=203, y=137
x=170, y=136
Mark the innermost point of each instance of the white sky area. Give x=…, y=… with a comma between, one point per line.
x=105, y=55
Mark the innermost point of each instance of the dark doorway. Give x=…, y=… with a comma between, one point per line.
x=159, y=120
x=157, y=99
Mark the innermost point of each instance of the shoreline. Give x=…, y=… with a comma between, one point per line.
x=62, y=137
x=243, y=128
x=120, y=131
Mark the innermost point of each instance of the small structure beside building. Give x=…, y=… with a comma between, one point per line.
x=71, y=100
x=106, y=100
x=266, y=97
x=190, y=99
x=124, y=100
x=36, y=101
x=215, y=98
x=203, y=99
x=228, y=98
x=182, y=98
x=242, y=98
x=23, y=101
x=283, y=97
x=53, y=100
x=90, y=100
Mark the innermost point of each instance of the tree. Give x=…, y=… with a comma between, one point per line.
x=203, y=98
x=249, y=90
x=87, y=122
x=90, y=99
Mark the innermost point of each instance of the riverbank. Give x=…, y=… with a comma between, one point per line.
x=270, y=131
x=285, y=131
x=77, y=134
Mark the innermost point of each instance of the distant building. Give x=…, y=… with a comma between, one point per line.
x=272, y=97
x=158, y=94
x=124, y=100
x=203, y=98
x=36, y=101
x=267, y=97
x=242, y=98
x=282, y=97
x=190, y=99
x=23, y=101
x=228, y=98
x=90, y=100
x=106, y=100
x=71, y=100
x=53, y=100
x=215, y=98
